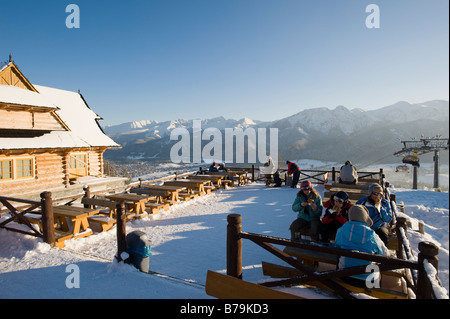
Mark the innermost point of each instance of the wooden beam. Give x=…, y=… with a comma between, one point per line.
x=227, y=287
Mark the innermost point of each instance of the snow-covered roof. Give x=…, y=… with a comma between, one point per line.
x=14, y=95
x=71, y=109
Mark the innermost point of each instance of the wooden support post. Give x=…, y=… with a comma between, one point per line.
x=48, y=225
x=253, y=173
x=428, y=251
x=400, y=223
x=87, y=194
x=234, y=246
x=421, y=227
x=333, y=174
x=121, y=231
x=393, y=198
x=140, y=182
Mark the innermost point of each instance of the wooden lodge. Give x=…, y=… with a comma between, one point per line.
x=49, y=137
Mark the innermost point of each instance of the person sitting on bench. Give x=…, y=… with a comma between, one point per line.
x=379, y=210
x=308, y=204
x=357, y=235
x=348, y=174
x=334, y=214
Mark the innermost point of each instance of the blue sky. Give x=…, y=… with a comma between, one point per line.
x=262, y=59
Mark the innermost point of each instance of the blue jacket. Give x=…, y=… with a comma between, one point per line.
x=379, y=217
x=357, y=236
x=307, y=213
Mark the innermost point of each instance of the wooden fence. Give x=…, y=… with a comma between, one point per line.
x=421, y=285
x=44, y=207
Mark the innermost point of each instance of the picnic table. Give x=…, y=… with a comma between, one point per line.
x=136, y=202
x=78, y=216
x=215, y=179
x=170, y=191
x=193, y=186
x=241, y=175
x=227, y=178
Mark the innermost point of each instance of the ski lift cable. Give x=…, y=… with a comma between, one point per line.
x=378, y=160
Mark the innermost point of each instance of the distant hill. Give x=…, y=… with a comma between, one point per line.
x=340, y=134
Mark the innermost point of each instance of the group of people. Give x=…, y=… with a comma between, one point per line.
x=347, y=173
x=363, y=227
x=214, y=167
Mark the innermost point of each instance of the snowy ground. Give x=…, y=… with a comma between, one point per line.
x=186, y=242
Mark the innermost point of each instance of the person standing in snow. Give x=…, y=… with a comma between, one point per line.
x=358, y=235
x=293, y=170
x=334, y=214
x=348, y=174
x=379, y=211
x=308, y=205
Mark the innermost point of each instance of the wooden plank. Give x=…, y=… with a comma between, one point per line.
x=379, y=293
x=99, y=202
x=227, y=287
x=343, y=187
x=278, y=271
x=369, y=180
x=318, y=256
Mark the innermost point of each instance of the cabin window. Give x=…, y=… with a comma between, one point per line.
x=6, y=169
x=24, y=168
x=78, y=165
x=16, y=168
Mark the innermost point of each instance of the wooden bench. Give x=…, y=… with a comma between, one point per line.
x=227, y=182
x=156, y=207
x=186, y=196
x=245, y=179
x=60, y=238
x=105, y=219
x=392, y=283
x=209, y=189
x=105, y=222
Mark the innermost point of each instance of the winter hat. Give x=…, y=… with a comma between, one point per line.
x=375, y=188
x=341, y=195
x=306, y=184
x=359, y=213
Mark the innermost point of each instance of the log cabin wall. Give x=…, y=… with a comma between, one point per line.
x=50, y=169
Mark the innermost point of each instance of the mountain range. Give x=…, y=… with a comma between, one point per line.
x=336, y=135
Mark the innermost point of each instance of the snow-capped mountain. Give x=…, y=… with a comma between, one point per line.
x=321, y=133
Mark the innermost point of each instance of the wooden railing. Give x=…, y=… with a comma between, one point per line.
x=319, y=176
x=44, y=207
x=421, y=286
